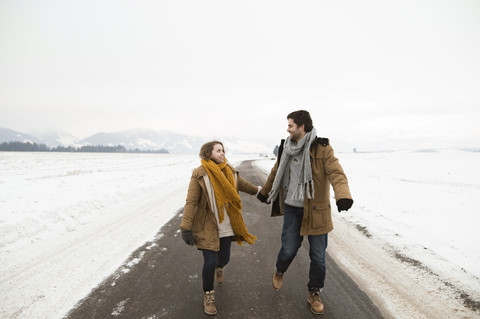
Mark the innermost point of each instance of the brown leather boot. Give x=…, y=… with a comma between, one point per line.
x=277, y=280
x=219, y=274
x=209, y=303
x=316, y=305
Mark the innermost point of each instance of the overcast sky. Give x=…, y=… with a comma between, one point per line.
x=374, y=72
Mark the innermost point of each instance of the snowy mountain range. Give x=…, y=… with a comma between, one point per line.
x=143, y=139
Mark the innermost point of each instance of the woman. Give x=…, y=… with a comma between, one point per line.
x=212, y=216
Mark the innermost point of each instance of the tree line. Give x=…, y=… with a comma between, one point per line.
x=34, y=147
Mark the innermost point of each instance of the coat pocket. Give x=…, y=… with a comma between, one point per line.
x=320, y=216
x=200, y=218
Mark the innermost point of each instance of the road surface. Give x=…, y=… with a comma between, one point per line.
x=162, y=279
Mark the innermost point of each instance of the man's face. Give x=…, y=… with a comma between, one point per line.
x=218, y=155
x=296, y=132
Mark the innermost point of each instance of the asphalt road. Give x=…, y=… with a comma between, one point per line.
x=162, y=279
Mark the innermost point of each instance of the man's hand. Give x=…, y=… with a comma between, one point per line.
x=188, y=237
x=344, y=204
x=262, y=198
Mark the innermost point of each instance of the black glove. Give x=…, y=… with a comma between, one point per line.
x=261, y=198
x=188, y=237
x=344, y=204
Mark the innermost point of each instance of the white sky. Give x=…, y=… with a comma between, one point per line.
x=373, y=72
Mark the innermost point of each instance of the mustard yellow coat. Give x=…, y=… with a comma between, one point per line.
x=198, y=214
x=326, y=171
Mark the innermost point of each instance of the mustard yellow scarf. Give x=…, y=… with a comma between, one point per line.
x=226, y=195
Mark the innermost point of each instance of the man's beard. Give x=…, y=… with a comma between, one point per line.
x=295, y=138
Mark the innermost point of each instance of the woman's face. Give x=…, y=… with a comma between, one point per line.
x=218, y=155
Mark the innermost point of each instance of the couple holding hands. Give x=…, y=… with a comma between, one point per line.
x=299, y=184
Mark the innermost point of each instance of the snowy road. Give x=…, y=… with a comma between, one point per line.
x=68, y=221
x=164, y=278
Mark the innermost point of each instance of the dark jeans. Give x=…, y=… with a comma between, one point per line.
x=212, y=259
x=291, y=242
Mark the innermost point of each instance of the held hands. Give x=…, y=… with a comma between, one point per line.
x=344, y=204
x=188, y=237
x=262, y=198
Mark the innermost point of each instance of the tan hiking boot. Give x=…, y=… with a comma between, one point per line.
x=277, y=280
x=209, y=303
x=316, y=305
x=219, y=275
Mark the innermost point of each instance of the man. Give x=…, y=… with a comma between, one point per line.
x=299, y=187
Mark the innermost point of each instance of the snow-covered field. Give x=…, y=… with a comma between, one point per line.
x=67, y=220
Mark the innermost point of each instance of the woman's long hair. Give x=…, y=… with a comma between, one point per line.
x=207, y=149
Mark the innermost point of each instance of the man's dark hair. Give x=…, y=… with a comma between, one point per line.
x=300, y=118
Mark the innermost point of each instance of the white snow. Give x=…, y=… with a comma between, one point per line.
x=69, y=220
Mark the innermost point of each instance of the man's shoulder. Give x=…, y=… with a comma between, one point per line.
x=324, y=141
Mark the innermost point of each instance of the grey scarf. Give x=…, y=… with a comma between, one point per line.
x=291, y=149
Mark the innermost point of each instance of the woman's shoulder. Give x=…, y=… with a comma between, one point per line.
x=232, y=168
x=199, y=172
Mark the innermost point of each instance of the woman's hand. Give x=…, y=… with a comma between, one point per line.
x=188, y=237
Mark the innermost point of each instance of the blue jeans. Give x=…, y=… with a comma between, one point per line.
x=212, y=259
x=291, y=242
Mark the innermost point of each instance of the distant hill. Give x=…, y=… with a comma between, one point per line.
x=142, y=139
x=8, y=135
x=53, y=138
x=147, y=139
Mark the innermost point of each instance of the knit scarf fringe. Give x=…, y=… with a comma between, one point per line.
x=226, y=195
